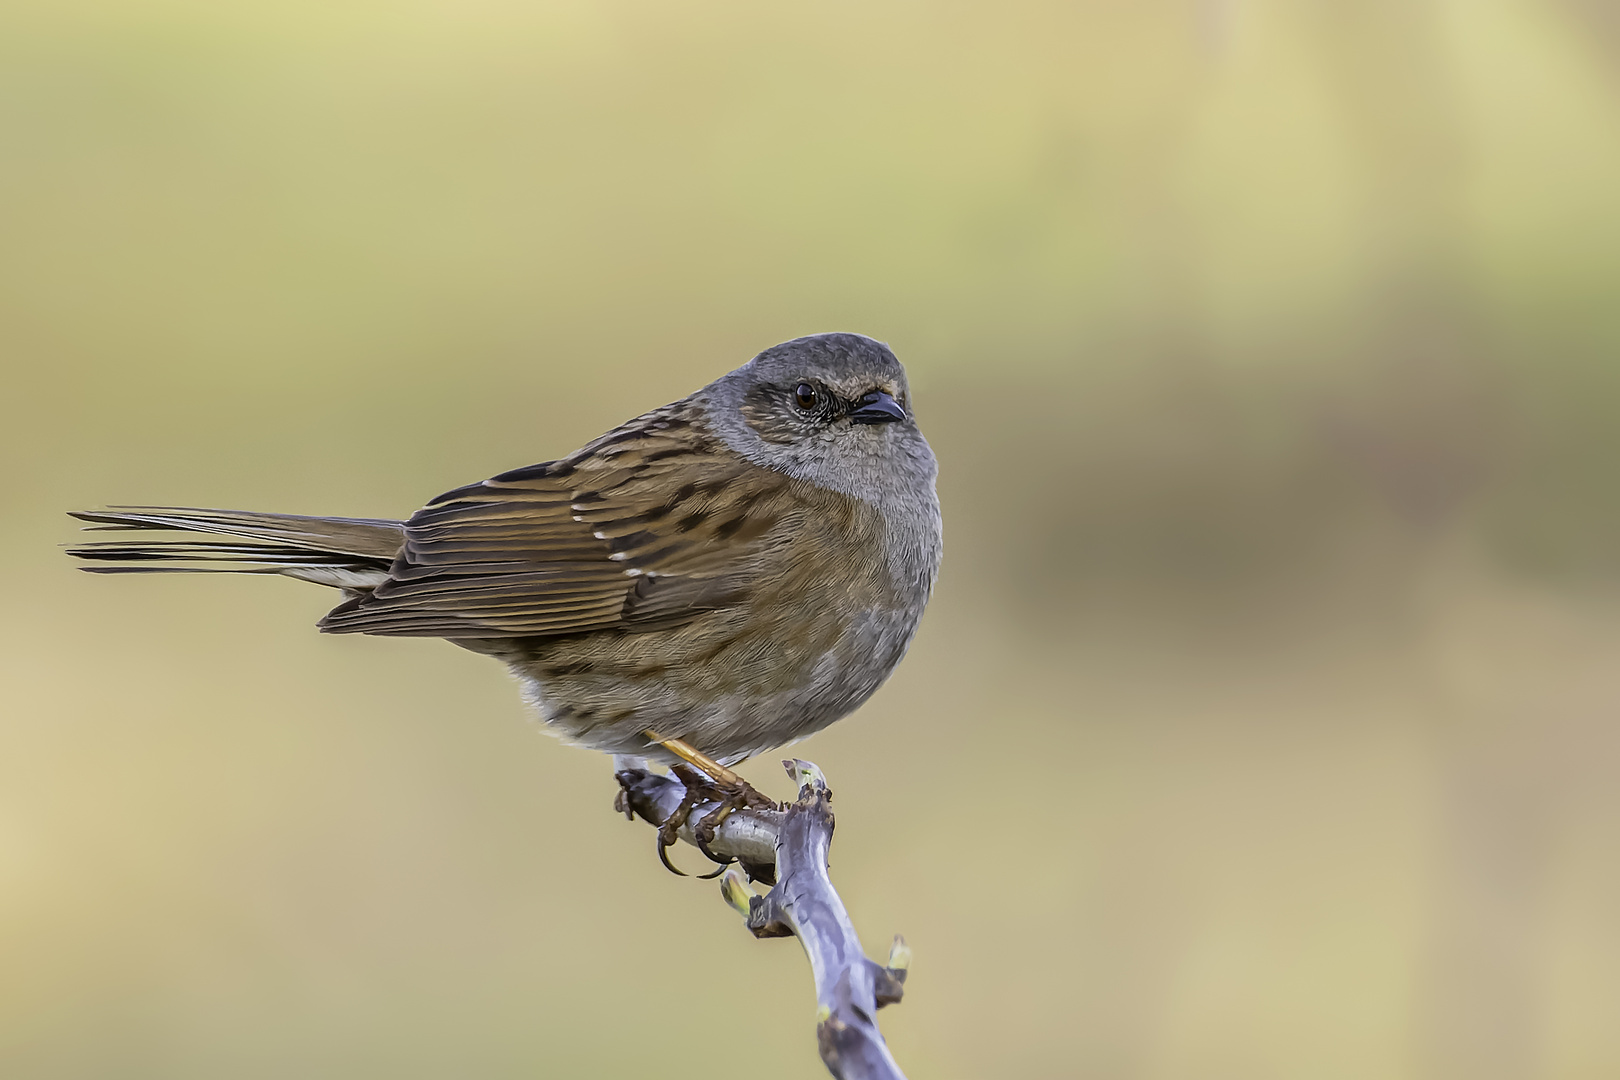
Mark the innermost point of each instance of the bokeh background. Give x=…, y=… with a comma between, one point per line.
x=1265, y=720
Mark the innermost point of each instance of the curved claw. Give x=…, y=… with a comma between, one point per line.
x=699, y=790
x=712, y=857
x=663, y=857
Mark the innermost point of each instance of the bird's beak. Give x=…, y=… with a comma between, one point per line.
x=878, y=408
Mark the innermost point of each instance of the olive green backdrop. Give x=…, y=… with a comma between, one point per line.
x=1265, y=720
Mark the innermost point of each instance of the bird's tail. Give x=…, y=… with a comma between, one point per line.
x=346, y=553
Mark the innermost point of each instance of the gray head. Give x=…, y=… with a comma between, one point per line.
x=832, y=409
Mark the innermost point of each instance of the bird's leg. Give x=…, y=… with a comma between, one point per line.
x=697, y=759
x=739, y=792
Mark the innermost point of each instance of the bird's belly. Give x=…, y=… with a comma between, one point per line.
x=725, y=683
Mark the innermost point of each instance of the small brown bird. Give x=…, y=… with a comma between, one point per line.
x=713, y=579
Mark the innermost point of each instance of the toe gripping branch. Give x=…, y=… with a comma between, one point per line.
x=728, y=823
x=787, y=848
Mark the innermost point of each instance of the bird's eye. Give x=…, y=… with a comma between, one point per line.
x=805, y=396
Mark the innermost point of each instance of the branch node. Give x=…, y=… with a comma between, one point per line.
x=766, y=918
x=806, y=774
x=888, y=985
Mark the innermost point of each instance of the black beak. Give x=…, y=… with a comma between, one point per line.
x=877, y=408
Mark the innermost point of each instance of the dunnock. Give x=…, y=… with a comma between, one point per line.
x=725, y=574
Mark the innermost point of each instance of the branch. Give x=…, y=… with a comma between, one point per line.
x=789, y=846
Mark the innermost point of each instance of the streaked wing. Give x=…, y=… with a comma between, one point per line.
x=647, y=527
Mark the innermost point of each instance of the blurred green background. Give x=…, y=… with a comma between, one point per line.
x=1265, y=720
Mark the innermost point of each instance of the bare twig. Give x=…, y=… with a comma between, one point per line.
x=790, y=847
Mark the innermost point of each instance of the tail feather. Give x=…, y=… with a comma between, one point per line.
x=346, y=553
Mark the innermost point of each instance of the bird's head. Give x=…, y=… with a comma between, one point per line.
x=832, y=409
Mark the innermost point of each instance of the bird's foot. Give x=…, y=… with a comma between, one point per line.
x=729, y=798
x=725, y=799
x=706, y=782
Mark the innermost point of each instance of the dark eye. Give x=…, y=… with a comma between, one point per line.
x=805, y=396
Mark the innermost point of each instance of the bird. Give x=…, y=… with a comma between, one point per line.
x=718, y=577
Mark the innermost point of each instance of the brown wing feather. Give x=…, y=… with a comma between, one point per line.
x=648, y=527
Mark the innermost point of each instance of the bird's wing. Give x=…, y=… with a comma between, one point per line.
x=647, y=527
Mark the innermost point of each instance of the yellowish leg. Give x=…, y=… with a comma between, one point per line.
x=697, y=759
